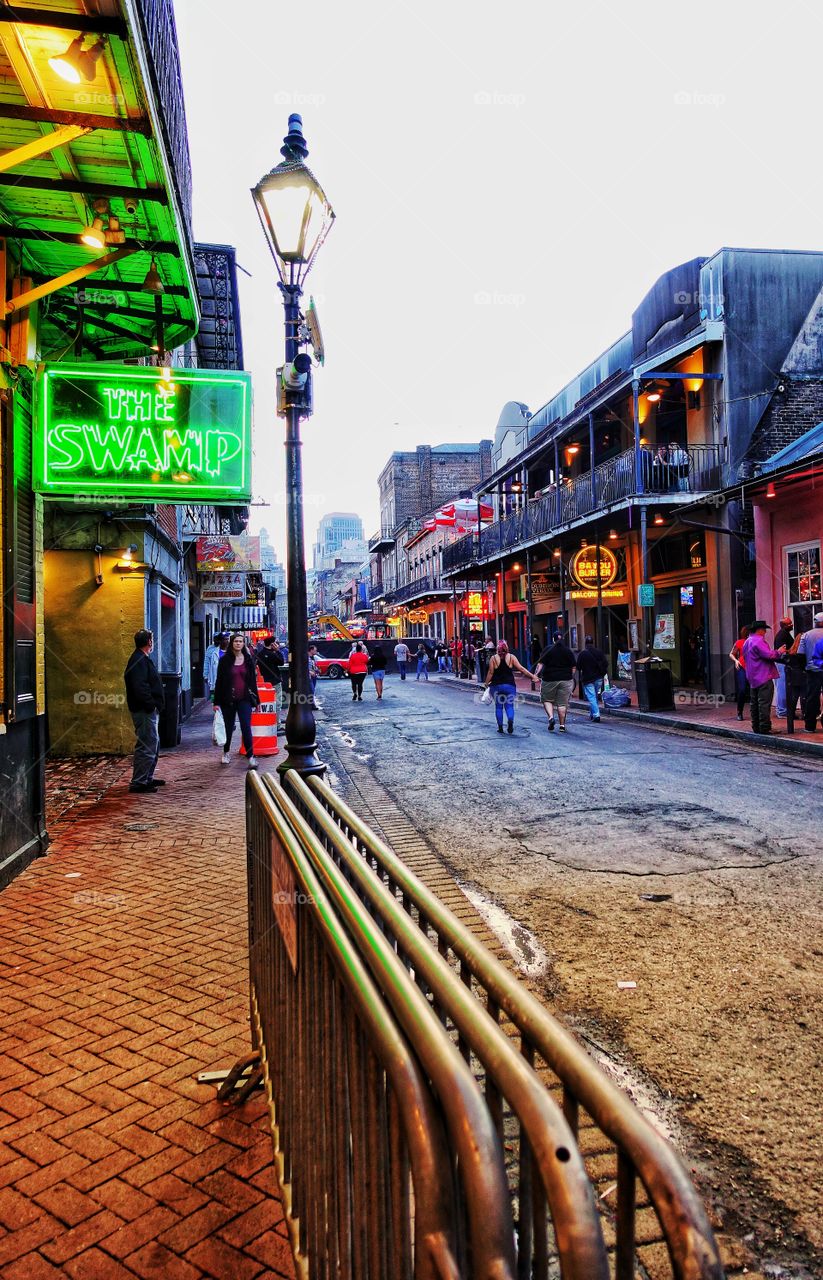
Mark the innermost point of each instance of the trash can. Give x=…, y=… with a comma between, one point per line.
x=655, y=687
x=168, y=725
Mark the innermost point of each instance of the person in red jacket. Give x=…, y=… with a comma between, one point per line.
x=358, y=666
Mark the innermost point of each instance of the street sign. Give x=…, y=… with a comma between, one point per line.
x=645, y=595
x=143, y=434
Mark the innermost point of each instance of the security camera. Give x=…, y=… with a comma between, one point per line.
x=130, y=204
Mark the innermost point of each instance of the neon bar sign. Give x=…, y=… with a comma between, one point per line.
x=144, y=434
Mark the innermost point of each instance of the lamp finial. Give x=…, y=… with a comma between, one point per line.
x=294, y=144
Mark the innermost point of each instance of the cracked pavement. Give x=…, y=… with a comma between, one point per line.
x=620, y=853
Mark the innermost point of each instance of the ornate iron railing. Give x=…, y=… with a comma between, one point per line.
x=620, y=478
x=160, y=35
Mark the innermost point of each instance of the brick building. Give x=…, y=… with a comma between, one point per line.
x=413, y=485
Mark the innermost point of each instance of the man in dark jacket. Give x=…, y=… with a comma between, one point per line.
x=144, y=698
x=556, y=667
x=270, y=662
x=592, y=665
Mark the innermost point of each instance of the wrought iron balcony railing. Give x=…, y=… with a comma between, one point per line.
x=160, y=32
x=613, y=481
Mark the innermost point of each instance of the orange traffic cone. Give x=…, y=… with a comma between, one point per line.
x=264, y=722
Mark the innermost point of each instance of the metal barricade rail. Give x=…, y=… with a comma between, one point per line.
x=541, y=1147
x=388, y=1160
x=621, y=1147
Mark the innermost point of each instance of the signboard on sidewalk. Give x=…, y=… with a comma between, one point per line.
x=143, y=435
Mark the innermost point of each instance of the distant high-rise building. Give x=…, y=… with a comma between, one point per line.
x=335, y=529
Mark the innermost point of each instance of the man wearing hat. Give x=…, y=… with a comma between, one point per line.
x=761, y=673
x=810, y=646
x=785, y=638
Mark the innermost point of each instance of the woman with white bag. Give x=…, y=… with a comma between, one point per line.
x=500, y=684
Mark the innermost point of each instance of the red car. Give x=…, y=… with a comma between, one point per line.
x=334, y=668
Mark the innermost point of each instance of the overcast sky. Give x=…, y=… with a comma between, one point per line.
x=509, y=180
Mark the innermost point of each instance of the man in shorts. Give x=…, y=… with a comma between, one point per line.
x=555, y=668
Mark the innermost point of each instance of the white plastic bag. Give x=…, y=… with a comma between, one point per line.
x=218, y=729
x=486, y=696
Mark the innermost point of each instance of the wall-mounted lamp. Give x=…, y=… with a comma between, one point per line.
x=127, y=560
x=556, y=553
x=517, y=567
x=572, y=449
x=77, y=63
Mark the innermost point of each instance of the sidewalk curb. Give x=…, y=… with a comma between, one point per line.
x=658, y=720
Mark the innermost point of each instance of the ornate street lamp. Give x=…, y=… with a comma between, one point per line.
x=296, y=218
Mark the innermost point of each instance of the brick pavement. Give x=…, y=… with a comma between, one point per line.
x=124, y=975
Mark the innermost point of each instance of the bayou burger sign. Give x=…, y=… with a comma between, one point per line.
x=144, y=434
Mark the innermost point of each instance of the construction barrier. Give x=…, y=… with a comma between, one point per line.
x=264, y=722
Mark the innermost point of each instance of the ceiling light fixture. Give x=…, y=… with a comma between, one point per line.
x=612, y=535
x=94, y=235
x=572, y=449
x=771, y=491
x=652, y=396
x=77, y=63
x=658, y=519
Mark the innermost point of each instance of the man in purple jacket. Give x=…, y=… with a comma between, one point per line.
x=761, y=674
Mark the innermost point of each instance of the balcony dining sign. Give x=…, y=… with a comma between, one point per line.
x=143, y=434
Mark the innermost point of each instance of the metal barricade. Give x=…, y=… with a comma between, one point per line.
x=545, y=1169
x=621, y=1148
x=386, y=1169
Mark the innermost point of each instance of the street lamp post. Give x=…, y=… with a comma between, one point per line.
x=296, y=218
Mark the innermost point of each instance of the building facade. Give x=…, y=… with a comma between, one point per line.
x=405, y=562
x=616, y=509
x=335, y=530
x=99, y=269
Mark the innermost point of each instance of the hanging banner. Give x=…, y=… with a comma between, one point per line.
x=224, y=554
x=220, y=587
x=142, y=435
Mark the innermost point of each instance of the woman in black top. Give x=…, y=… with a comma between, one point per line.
x=500, y=679
x=377, y=666
x=235, y=693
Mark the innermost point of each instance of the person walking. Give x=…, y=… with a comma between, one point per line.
x=377, y=666
x=358, y=666
x=401, y=657
x=556, y=667
x=811, y=648
x=592, y=666
x=761, y=673
x=145, y=700
x=314, y=672
x=212, y=656
x=784, y=638
x=422, y=662
x=236, y=695
x=500, y=679
x=741, y=683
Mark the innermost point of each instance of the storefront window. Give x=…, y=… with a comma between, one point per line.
x=804, y=590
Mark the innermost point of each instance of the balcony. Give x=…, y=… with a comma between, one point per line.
x=383, y=540
x=425, y=586
x=610, y=484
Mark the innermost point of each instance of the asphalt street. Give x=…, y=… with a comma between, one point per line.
x=623, y=854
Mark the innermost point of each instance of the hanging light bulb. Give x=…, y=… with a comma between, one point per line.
x=652, y=396
x=770, y=490
x=152, y=282
x=658, y=519
x=612, y=535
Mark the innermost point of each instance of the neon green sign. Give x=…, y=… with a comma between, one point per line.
x=146, y=435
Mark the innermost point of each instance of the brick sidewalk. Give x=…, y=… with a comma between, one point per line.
x=124, y=975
